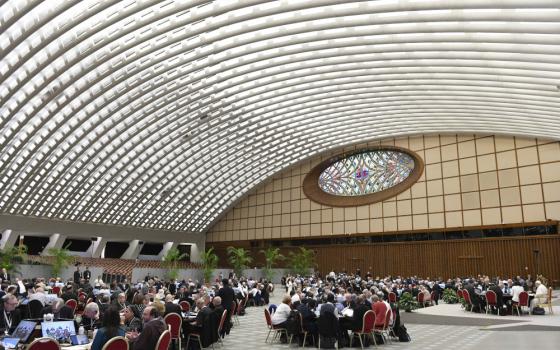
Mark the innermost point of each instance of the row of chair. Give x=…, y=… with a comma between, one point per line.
x=327, y=325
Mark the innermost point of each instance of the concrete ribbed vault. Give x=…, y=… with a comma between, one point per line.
x=161, y=114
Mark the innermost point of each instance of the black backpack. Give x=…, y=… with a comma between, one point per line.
x=293, y=323
x=537, y=310
x=402, y=334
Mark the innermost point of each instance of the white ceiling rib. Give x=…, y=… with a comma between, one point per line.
x=163, y=114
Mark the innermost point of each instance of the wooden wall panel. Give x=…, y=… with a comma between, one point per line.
x=490, y=256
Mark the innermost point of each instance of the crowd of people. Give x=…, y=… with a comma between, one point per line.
x=337, y=293
x=135, y=311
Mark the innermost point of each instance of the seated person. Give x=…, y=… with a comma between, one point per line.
x=515, y=291
x=282, y=313
x=110, y=328
x=10, y=316
x=90, y=317
x=170, y=306
x=152, y=330
x=121, y=302
x=359, y=312
x=541, y=295
x=131, y=321
x=380, y=309
x=59, y=309
x=203, y=313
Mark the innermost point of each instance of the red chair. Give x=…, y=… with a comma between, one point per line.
x=392, y=297
x=432, y=298
x=221, y=326
x=491, y=300
x=467, y=298
x=72, y=303
x=56, y=290
x=238, y=311
x=82, y=297
x=185, y=306
x=44, y=344
x=174, y=321
x=367, y=327
x=384, y=329
x=421, y=299
x=523, y=301
x=116, y=343
x=272, y=328
x=164, y=341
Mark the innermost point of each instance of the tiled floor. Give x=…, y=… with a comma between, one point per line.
x=251, y=334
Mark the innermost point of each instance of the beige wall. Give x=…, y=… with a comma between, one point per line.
x=468, y=181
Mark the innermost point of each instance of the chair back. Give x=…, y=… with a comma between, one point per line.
x=72, y=303
x=222, y=321
x=82, y=297
x=240, y=307
x=44, y=344
x=524, y=299
x=116, y=343
x=164, y=341
x=549, y=296
x=368, y=322
x=388, y=315
x=56, y=290
x=35, y=309
x=174, y=321
x=392, y=297
x=185, y=306
x=433, y=295
x=268, y=318
x=420, y=297
x=491, y=298
x=467, y=296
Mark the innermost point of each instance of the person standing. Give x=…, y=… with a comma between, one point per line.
x=87, y=274
x=227, y=295
x=77, y=274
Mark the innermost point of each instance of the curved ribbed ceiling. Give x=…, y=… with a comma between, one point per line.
x=162, y=114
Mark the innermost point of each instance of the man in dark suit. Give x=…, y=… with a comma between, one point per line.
x=228, y=297
x=499, y=295
x=59, y=310
x=152, y=330
x=359, y=312
x=10, y=316
x=87, y=274
x=171, y=307
x=77, y=274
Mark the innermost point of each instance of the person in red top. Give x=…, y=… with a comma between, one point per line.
x=380, y=309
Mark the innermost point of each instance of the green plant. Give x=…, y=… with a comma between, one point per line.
x=11, y=256
x=61, y=257
x=171, y=259
x=450, y=296
x=302, y=261
x=239, y=258
x=271, y=256
x=209, y=263
x=407, y=302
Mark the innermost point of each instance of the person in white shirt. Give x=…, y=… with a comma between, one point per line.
x=39, y=295
x=282, y=312
x=515, y=291
x=541, y=294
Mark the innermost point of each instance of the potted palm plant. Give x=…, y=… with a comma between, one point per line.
x=171, y=260
x=209, y=263
x=302, y=261
x=239, y=258
x=61, y=257
x=271, y=256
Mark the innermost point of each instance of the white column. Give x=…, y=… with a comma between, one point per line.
x=167, y=247
x=56, y=241
x=133, y=250
x=97, y=247
x=197, y=248
x=9, y=239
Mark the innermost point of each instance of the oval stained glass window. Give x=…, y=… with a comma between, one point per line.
x=366, y=173
x=363, y=176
